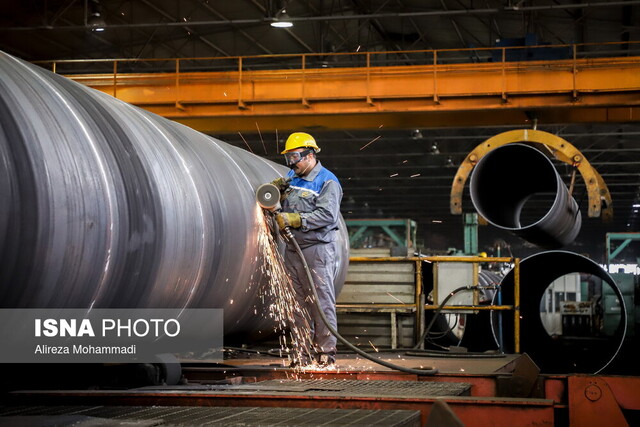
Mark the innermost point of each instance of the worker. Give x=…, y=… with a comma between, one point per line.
x=311, y=209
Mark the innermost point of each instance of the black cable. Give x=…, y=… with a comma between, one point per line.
x=435, y=315
x=441, y=334
x=364, y=354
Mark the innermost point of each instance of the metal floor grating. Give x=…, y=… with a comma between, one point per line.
x=137, y=416
x=349, y=388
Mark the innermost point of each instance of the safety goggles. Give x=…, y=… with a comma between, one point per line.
x=295, y=156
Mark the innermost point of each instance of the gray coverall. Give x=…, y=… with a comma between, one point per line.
x=316, y=197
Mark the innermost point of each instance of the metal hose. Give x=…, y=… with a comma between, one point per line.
x=431, y=371
x=437, y=313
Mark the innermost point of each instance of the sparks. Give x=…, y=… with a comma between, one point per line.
x=291, y=320
x=370, y=142
x=395, y=298
x=260, y=133
x=245, y=141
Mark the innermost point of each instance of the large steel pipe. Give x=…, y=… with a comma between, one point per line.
x=107, y=205
x=560, y=354
x=516, y=188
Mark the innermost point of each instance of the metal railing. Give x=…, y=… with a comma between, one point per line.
x=123, y=71
x=419, y=304
x=307, y=61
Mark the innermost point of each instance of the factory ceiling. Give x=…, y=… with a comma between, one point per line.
x=403, y=172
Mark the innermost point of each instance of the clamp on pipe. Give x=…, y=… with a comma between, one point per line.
x=600, y=203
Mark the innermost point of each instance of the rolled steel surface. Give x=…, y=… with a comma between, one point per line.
x=107, y=205
x=505, y=179
x=558, y=354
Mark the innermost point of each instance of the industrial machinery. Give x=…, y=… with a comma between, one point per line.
x=508, y=173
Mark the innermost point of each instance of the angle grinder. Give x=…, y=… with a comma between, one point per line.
x=268, y=197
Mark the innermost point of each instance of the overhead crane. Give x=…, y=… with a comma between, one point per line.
x=353, y=91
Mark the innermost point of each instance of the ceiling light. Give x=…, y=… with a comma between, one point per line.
x=434, y=148
x=282, y=20
x=95, y=21
x=449, y=163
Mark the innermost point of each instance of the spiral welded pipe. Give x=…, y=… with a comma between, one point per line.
x=107, y=205
x=506, y=182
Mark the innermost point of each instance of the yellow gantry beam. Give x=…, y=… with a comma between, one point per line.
x=401, y=96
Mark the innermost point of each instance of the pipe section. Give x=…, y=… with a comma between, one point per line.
x=516, y=188
x=107, y=205
x=560, y=354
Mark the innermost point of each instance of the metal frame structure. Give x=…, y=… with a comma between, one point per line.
x=471, y=222
x=626, y=239
x=419, y=305
x=362, y=225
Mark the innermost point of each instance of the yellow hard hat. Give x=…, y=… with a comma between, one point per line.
x=300, y=140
